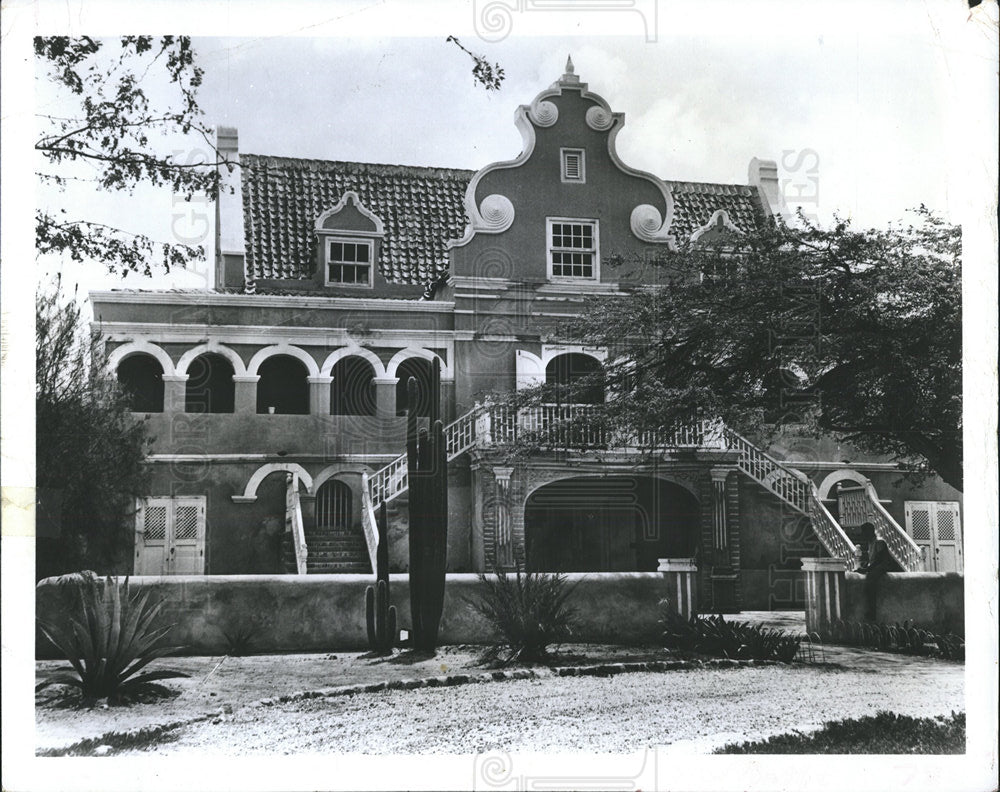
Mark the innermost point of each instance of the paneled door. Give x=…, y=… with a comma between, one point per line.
x=170, y=536
x=937, y=528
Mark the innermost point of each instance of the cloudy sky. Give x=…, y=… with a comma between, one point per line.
x=857, y=104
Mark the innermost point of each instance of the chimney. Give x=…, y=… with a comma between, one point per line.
x=763, y=174
x=229, y=239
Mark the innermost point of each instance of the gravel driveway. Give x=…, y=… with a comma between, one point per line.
x=692, y=711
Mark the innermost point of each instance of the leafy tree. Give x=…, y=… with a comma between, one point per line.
x=857, y=333
x=112, y=135
x=89, y=446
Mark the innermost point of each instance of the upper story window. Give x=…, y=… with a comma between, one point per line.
x=348, y=262
x=573, y=249
x=573, y=165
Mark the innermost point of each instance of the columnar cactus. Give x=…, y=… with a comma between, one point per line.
x=380, y=616
x=427, y=465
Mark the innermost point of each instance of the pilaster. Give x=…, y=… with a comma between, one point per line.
x=245, y=389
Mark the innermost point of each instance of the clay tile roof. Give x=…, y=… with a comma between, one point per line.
x=695, y=202
x=422, y=208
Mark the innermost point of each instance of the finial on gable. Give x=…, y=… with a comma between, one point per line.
x=570, y=75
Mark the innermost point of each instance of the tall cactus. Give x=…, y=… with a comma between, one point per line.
x=427, y=465
x=380, y=616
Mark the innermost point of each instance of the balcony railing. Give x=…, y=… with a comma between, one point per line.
x=578, y=426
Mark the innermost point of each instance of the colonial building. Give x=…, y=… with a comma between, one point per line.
x=277, y=399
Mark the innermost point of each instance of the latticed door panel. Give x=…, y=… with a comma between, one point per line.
x=152, y=520
x=187, y=550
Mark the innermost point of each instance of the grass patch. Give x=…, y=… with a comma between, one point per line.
x=883, y=733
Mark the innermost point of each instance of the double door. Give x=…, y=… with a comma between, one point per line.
x=936, y=527
x=170, y=536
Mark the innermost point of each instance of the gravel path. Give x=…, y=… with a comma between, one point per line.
x=692, y=711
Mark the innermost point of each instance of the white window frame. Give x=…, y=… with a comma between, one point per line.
x=328, y=241
x=564, y=153
x=595, y=250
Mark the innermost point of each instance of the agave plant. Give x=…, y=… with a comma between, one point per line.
x=112, y=637
x=528, y=611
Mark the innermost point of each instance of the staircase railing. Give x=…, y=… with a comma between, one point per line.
x=294, y=523
x=368, y=525
x=794, y=489
x=908, y=554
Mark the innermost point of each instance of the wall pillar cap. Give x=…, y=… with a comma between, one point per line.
x=721, y=472
x=246, y=377
x=824, y=565
x=320, y=380
x=174, y=377
x=677, y=565
x=385, y=380
x=503, y=472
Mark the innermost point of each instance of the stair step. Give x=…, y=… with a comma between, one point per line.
x=336, y=555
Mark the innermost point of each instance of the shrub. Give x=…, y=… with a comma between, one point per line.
x=903, y=638
x=883, y=733
x=716, y=637
x=528, y=611
x=112, y=637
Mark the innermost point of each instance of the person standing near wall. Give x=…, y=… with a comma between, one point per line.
x=876, y=561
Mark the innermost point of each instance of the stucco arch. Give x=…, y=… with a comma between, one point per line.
x=530, y=369
x=687, y=486
x=417, y=352
x=335, y=471
x=283, y=349
x=554, y=351
x=212, y=348
x=352, y=351
x=141, y=348
x=250, y=491
x=840, y=475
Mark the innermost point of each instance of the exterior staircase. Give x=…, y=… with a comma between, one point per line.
x=485, y=425
x=331, y=551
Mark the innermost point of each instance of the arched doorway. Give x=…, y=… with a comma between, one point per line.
x=283, y=387
x=609, y=524
x=334, y=506
x=580, y=377
x=419, y=369
x=141, y=376
x=353, y=389
x=210, y=387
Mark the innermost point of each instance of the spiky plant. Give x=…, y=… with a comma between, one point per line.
x=528, y=611
x=111, y=638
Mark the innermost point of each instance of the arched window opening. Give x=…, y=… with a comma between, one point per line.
x=579, y=376
x=353, y=389
x=283, y=387
x=141, y=376
x=333, y=505
x=210, y=387
x=421, y=370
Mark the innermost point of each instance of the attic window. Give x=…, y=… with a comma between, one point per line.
x=348, y=262
x=573, y=165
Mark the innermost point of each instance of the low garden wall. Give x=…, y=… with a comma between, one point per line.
x=932, y=600
x=317, y=613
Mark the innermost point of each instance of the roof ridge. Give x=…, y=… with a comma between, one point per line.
x=354, y=164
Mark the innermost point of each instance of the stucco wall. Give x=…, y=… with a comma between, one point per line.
x=327, y=613
x=932, y=600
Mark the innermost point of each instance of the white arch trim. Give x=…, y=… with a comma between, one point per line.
x=250, y=492
x=283, y=349
x=352, y=351
x=417, y=352
x=550, y=351
x=141, y=348
x=334, y=471
x=212, y=347
x=844, y=474
x=529, y=369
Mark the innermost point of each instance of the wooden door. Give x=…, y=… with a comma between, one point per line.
x=170, y=536
x=936, y=527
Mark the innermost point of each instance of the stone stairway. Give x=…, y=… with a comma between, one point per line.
x=331, y=551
